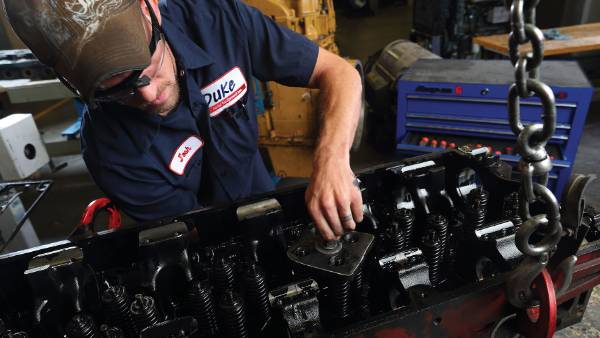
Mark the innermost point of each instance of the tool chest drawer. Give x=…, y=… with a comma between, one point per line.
x=467, y=101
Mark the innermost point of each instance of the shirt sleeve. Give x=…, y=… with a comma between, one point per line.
x=142, y=195
x=277, y=53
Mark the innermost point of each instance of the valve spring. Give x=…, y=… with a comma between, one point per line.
x=116, y=305
x=455, y=223
x=360, y=294
x=82, y=326
x=433, y=252
x=340, y=297
x=200, y=305
x=406, y=218
x=224, y=277
x=511, y=209
x=381, y=240
x=144, y=312
x=440, y=224
x=112, y=332
x=233, y=316
x=396, y=237
x=363, y=307
x=257, y=293
x=451, y=248
x=357, y=280
x=517, y=221
x=477, y=200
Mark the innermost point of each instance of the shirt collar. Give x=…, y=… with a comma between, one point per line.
x=187, y=51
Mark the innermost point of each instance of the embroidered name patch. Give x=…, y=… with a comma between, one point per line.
x=184, y=154
x=225, y=92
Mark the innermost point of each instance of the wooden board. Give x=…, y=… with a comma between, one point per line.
x=584, y=38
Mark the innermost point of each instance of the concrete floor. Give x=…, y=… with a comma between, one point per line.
x=358, y=37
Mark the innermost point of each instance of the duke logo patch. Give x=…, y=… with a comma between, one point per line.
x=184, y=154
x=225, y=91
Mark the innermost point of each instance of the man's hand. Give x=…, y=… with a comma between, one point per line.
x=332, y=199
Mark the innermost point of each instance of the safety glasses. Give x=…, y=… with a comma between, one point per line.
x=139, y=78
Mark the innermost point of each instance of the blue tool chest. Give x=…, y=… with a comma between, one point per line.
x=450, y=103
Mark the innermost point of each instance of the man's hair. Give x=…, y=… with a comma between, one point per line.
x=85, y=41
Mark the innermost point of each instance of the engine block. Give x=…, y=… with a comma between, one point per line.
x=430, y=259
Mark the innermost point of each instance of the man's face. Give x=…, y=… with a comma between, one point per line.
x=161, y=95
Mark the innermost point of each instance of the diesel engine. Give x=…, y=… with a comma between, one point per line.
x=434, y=256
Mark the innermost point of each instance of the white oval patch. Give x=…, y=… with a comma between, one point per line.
x=184, y=154
x=225, y=91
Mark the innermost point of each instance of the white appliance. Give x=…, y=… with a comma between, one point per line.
x=22, y=151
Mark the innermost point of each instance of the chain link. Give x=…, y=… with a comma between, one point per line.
x=518, y=21
x=539, y=234
x=535, y=36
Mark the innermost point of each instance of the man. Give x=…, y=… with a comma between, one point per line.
x=170, y=96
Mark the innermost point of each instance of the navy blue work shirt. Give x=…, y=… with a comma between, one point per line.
x=205, y=151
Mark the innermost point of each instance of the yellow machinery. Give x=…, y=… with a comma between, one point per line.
x=314, y=19
x=288, y=128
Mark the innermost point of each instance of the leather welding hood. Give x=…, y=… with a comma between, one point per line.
x=85, y=41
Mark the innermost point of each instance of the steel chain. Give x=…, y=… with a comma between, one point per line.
x=535, y=164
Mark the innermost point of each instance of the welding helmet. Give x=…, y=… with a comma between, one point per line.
x=85, y=41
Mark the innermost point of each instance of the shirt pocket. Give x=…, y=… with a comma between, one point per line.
x=235, y=128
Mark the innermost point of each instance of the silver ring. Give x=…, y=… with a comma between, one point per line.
x=356, y=182
x=346, y=218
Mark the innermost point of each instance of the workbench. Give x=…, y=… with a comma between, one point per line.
x=584, y=38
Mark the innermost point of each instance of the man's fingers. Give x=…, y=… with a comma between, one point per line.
x=332, y=217
x=335, y=207
x=356, y=204
x=314, y=210
x=346, y=214
x=322, y=225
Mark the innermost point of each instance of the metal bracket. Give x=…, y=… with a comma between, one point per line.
x=309, y=252
x=410, y=265
x=256, y=220
x=58, y=280
x=299, y=305
x=502, y=235
x=160, y=248
x=574, y=201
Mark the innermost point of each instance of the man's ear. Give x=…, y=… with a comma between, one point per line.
x=154, y=6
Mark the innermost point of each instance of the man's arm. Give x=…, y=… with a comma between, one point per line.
x=331, y=194
x=281, y=55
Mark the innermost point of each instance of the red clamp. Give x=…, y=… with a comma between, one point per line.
x=89, y=215
x=539, y=320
